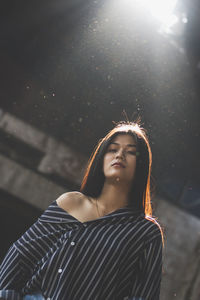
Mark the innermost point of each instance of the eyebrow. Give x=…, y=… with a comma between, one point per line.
x=128, y=145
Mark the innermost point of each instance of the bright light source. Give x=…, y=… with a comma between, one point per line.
x=184, y=20
x=163, y=11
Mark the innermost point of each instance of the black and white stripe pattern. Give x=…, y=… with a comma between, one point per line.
x=115, y=257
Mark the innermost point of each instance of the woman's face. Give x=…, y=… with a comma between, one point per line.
x=122, y=150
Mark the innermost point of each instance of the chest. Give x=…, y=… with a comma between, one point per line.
x=97, y=249
x=110, y=242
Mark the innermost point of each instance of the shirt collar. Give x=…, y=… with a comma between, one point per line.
x=55, y=214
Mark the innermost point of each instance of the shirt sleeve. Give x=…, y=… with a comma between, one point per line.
x=13, y=275
x=147, y=284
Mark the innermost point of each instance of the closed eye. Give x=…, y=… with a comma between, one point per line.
x=132, y=152
x=114, y=150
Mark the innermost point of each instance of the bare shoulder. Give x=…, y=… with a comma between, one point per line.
x=70, y=200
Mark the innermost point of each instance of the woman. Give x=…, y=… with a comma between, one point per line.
x=97, y=244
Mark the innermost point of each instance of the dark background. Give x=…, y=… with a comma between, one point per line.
x=70, y=68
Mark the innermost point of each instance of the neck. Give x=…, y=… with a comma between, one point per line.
x=114, y=195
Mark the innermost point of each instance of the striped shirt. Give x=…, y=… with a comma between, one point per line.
x=115, y=257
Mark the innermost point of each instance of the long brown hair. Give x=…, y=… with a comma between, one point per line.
x=93, y=180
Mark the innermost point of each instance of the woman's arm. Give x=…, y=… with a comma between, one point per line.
x=147, y=285
x=13, y=275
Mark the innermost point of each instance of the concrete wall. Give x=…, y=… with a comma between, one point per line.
x=36, y=184
x=181, y=268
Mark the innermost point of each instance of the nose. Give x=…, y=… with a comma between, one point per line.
x=120, y=154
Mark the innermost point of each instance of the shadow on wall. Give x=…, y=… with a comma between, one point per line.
x=16, y=217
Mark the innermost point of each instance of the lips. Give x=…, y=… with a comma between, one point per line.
x=118, y=164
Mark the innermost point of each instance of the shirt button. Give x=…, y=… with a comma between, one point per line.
x=85, y=225
x=59, y=270
x=72, y=243
x=48, y=298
